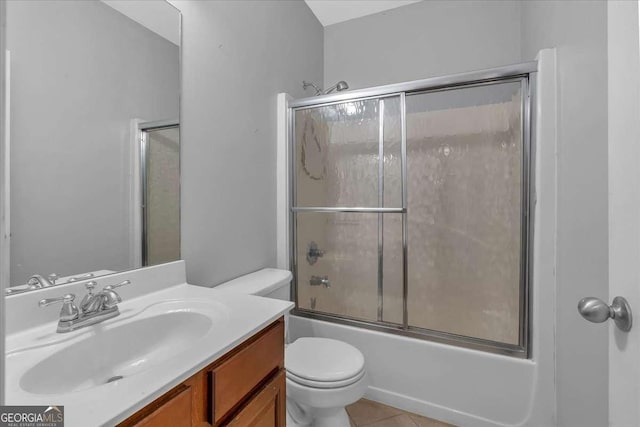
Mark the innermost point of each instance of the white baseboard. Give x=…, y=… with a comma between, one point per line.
x=426, y=409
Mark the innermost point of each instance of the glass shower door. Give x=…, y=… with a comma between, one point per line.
x=410, y=212
x=347, y=198
x=465, y=199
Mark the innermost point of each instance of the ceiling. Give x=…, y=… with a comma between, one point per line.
x=333, y=11
x=158, y=16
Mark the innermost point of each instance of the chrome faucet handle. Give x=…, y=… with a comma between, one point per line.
x=110, y=298
x=37, y=281
x=49, y=301
x=117, y=285
x=68, y=312
x=52, y=278
x=34, y=282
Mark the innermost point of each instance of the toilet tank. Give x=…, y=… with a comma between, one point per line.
x=268, y=282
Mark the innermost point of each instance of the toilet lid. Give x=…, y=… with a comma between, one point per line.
x=323, y=359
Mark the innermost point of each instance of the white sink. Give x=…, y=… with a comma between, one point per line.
x=159, y=339
x=122, y=351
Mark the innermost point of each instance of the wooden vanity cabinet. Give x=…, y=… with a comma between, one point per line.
x=267, y=408
x=244, y=388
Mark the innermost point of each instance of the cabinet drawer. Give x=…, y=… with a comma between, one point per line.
x=171, y=410
x=233, y=380
x=265, y=409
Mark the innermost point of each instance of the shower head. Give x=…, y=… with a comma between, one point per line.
x=342, y=85
x=339, y=87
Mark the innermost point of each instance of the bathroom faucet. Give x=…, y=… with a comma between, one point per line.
x=94, y=308
x=318, y=280
x=37, y=281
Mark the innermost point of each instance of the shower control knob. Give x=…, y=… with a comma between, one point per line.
x=313, y=253
x=597, y=311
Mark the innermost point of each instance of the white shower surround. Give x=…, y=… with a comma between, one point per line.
x=453, y=384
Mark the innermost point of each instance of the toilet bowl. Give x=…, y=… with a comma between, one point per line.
x=323, y=375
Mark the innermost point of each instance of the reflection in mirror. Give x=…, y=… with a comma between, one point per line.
x=160, y=193
x=85, y=78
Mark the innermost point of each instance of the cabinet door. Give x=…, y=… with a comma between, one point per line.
x=233, y=381
x=173, y=410
x=267, y=408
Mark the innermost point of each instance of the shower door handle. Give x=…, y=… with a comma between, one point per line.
x=597, y=311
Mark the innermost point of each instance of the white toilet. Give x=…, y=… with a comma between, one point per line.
x=323, y=375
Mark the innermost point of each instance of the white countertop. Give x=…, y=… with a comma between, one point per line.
x=236, y=318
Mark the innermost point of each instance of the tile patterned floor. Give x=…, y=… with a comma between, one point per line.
x=373, y=414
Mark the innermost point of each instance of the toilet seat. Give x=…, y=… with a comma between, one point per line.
x=324, y=384
x=323, y=363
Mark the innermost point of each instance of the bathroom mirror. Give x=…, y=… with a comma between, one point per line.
x=94, y=165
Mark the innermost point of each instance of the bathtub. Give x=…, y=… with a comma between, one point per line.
x=453, y=384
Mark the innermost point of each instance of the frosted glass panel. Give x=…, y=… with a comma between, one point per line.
x=465, y=155
x=163, y=196
x=392, y=307
x=337, y=154
x=392, y=124
x=350, y=263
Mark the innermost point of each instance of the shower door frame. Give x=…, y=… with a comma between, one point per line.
x=143, y=149
x=523, y=72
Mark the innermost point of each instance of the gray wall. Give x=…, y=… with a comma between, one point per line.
x=425, y=39
x=80, y=72
x=579, y=32
x=236, y=57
